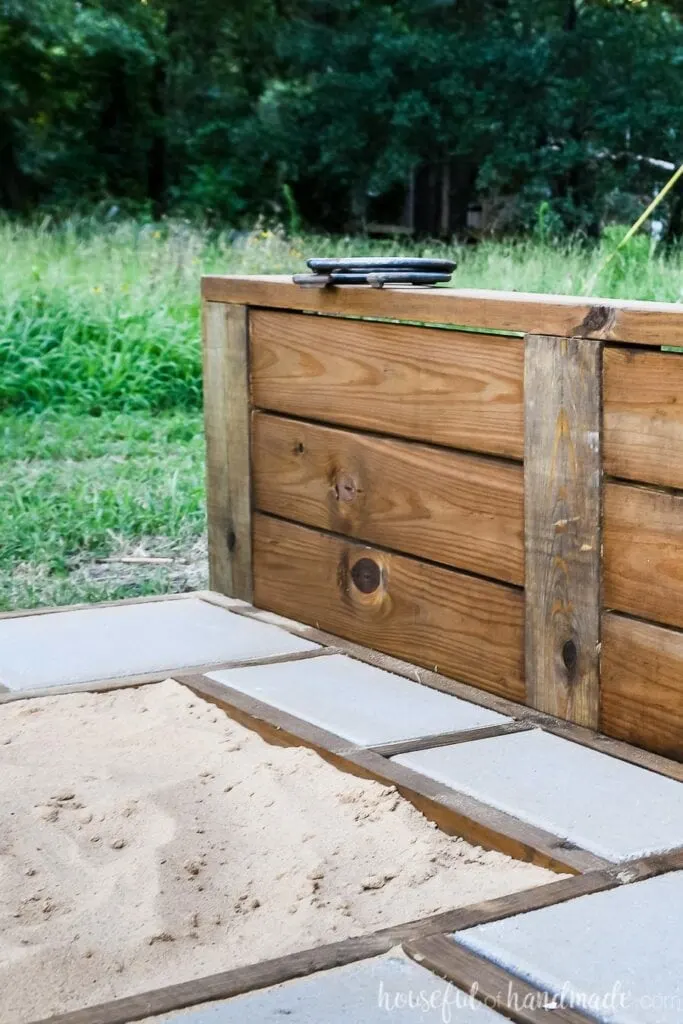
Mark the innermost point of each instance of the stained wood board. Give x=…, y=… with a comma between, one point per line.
x=608, y=744
x=562, y=504
x=497, y=988
x=447, y=739
x=643, y=555
x=470, y=628
x=444, y=387
x=643, y=415
x=643, y=323
x=641, y=699
x=226, y=421
x=465, y=511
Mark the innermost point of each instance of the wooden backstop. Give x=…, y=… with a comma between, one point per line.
x=486, y=483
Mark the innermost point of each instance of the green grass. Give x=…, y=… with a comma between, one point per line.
x=101, y=446
x=96, y=317
x=78, y=489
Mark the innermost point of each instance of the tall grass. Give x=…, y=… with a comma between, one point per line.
x=76, y=490
x=101, y=316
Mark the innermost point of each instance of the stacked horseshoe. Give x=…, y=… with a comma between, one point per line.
x=375, y=272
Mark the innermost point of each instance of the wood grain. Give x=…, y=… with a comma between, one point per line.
x=226, y=418
x=562, y=526
x=426, y=677
x=643, y=415
x=469, y=628
x=643, y=557
x=450, y=388
x=641, y=698
x=643, y=323
x=463, y=510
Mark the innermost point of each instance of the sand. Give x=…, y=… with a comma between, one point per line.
x=147, y=839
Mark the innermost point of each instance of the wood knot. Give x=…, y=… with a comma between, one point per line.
x=345, y=487
x=366, y=575
x=599, y=318
x=570, y=657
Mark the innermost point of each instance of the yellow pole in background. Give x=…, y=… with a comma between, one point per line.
x=641, y=220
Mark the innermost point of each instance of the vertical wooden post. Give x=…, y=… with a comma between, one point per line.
x=562, y=513
x=228, y=471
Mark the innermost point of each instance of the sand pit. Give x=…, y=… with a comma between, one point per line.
x=147, y=839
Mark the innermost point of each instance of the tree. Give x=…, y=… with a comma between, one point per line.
x=215, y=107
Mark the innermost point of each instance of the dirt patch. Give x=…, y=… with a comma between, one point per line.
x=148, y=839
x=157, y=560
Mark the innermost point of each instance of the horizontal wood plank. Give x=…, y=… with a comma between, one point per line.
x=642, y=323
x=643, y=416
x=643, y=552
x=447, y=387
x=463, y=510
x=525, y=312
x=641, y=699
x=469, y=628
x=426, y=677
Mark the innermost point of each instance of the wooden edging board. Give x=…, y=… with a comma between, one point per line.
x=296, y=965
x=582, y=735
x=121, y=682
x=640, y=323
x=454, y=812
x=448, y=738
x=332, y=644
x=500, y=989
x=511, y=996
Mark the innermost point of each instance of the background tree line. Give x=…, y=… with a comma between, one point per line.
x=322, y=109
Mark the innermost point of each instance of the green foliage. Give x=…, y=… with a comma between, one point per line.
x=79, y=488
x=305, y=108
x=76, y=490
x=105, y=316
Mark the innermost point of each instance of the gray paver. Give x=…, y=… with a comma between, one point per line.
x=121, y=640
x=364, y=704
x=371, y=992
x=616, y=955
x=614, y=809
